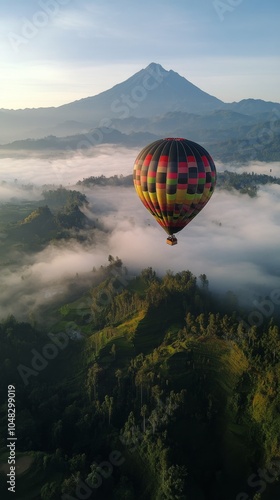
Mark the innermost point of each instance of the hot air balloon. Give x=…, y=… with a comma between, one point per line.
x=174, y=178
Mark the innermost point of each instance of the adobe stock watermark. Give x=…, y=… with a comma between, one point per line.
x=264, y=309
x=120, y=108
x=40, y=360
x=30, y=28
x=261, y=479
x=222, y=7
x=86, y=312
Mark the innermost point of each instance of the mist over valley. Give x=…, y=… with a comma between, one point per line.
x=235, y=241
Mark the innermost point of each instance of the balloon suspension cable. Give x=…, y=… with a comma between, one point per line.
x=171, y=240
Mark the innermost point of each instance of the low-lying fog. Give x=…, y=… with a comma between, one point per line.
x=235, y=240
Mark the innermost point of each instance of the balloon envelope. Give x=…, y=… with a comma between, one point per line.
x=174, y=178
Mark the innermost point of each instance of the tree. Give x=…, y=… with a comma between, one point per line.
x=252, y=335
x=118, y=374
x=108, y=403
x=201, y=322
x=113, y=351
x=257, y=496
x=92, y=380
x=139, y=379
x=148, y=275
x=78, y=463
x=94, y=479
x=204, y=281
x=212, y=326
x=131, y=435
x=273, y=340
x=69, y=485
x=154, y=419
x=156, y=393
x=50, y=491
x=65, y=309
x=144, y=411
x=173, y=482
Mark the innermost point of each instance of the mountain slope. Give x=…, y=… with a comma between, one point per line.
x=227, y=136
x=255, y=106
x=152, y=91
x=148, y=95
x=149, y=92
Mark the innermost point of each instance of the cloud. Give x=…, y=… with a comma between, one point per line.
x=56, y=274
x=235, y=240
x=68, y=169
x=13, y=191
x=74, y=20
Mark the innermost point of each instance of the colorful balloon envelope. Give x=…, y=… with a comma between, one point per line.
x=174, y=178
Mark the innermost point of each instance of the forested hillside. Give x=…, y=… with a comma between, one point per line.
x=245, y=183
x=145, y=388
x=29, y=226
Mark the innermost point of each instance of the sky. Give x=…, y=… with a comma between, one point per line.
x=56, y=51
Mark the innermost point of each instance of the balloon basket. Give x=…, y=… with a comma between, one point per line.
x=171, y=240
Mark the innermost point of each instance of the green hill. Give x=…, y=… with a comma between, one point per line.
x=60, y=218
x=157, y=393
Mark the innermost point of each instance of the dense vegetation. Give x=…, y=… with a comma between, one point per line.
x=245, y=183
x=27, y=226
x=102, y=180
x=146, y=388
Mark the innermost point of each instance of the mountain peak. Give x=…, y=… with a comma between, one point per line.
x=150, y=93
x=155, y=66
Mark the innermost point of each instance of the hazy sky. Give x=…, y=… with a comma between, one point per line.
x=56, y=51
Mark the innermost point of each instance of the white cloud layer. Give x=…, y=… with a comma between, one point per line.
x=102, y=160
x=235, y=240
